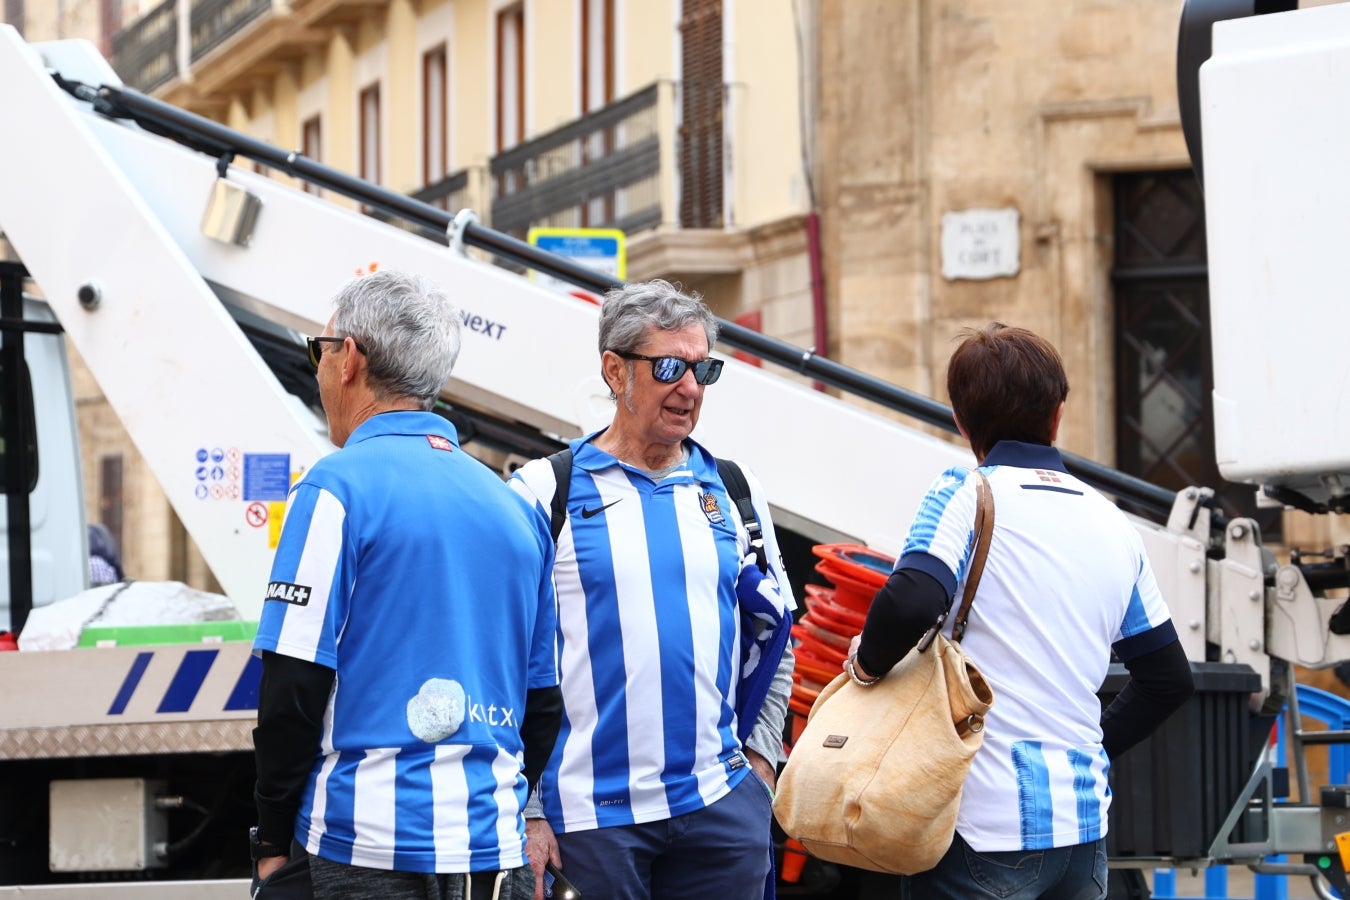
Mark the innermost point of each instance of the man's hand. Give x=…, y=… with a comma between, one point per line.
x=269, y=865
x=766, y=770
x=542, y=848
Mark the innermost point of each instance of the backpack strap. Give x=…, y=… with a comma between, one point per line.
x=562, y=477
x=738, y=489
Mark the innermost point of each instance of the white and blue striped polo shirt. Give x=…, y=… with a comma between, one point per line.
x=1066, y=580
x=410, y=569
x=649, y=638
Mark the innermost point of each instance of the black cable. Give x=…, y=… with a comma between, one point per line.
x=217, y=140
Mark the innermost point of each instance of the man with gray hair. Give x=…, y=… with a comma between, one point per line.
x=673, y=631
x=409, y=690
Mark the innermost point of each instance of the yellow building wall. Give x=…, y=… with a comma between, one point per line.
x=286, y=108
x=401, y=100
x=472, y=57
x=387, y=42
x=646, y=43
x=552, y=65
x=646, y=50
x=433, y=27
x=762, y=71
x=339, y=111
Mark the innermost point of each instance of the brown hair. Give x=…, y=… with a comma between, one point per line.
x=1005, y=384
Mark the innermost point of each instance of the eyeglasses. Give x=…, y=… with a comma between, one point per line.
x=316, y=347
x=670, y=369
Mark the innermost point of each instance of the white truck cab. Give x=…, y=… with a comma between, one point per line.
x=50, y=480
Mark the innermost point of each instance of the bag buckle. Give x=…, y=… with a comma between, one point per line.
x=971, y=724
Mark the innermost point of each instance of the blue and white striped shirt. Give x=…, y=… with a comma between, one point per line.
x=1066, y=581
x=646, y=576
x=410, y=569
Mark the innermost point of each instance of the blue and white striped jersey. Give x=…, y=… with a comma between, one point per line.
x=1066, y=581
x=646, y=575
x=410, y=569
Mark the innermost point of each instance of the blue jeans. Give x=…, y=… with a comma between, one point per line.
x=720, y=851
x=1063, y=873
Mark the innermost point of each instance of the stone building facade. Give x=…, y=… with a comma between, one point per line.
x=1066, y=115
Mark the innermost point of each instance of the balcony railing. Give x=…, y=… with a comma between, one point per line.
x=145, y=53
x=603, y=170
x=215, y=20
x=451, y=193
x=458, y=190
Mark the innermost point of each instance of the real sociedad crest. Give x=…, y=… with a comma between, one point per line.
x=710, y=508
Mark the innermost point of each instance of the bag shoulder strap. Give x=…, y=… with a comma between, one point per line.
x=562, y=477
x=738, y=489
x=984, y=532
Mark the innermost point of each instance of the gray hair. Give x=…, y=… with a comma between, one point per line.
x=409, y=328
x=630, y=310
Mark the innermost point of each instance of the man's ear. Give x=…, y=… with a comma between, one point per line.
x=614, y=369
x=353, y=361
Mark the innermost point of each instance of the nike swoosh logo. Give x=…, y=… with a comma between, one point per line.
x=587, y=512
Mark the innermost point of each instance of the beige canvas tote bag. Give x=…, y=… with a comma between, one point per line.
x=875, y=779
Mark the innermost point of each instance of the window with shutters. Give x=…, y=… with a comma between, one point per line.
x=510, y=76
x=597, y=92
x=111, y=495
x=14, y=14
x=597, y=54
x=435, y=127
x=311, y=146
x=370, y=134
x=1164, y=378
x=701, y=112
x=109, y=20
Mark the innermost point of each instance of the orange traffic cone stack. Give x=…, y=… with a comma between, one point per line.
x=833, y=616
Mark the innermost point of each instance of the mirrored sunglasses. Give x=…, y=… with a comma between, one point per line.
x=670, y=369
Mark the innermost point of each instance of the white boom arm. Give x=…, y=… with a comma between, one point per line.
x=113, y=206
x=118, y=209
x=171, y=361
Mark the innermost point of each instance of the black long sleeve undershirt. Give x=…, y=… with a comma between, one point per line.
x=1160, y=682
x=539, y=729
x=906, y=606
x=292, y=698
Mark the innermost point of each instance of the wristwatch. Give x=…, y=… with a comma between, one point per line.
x=258, y=850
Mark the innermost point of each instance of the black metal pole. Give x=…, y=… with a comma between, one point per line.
x=214, y=138
x=14, y=426
x=826, y=371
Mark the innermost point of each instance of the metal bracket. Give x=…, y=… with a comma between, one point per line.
x=455, y=232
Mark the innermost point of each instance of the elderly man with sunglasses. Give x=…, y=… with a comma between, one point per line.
x=651, y=791
x=409, y=685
